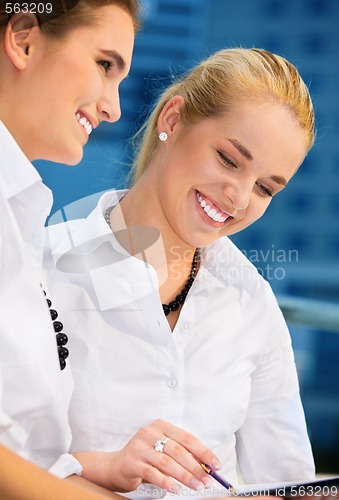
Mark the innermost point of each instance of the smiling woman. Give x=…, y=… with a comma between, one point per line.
x=240, y=160
x=37, y=59
x=61, y=64
x=173, y=322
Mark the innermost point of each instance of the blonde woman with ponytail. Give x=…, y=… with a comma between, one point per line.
x=173, y=329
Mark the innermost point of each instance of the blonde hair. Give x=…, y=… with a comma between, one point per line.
x=224, y=79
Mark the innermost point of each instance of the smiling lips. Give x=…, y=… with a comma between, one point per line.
x=84, y=122
x=211, y=210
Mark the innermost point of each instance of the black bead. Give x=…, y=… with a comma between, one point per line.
x=166, y=309
x=54, y=314
x=63, y=352
x=174, y=305
x=58, y=326
x=180, y=298
x=61, y=339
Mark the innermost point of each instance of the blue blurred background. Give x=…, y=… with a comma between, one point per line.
x=296, y=244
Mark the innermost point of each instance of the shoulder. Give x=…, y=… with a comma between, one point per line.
x=227, y=268
x=231, y=267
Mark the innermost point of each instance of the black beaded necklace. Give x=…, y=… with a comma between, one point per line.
x=181, y=297
x=61, y=338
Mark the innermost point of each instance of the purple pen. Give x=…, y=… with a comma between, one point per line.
x=218, y=478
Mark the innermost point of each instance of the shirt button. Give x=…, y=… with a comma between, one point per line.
x=186, y=325
x=172, y=382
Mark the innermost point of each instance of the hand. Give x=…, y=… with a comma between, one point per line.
x=139, y=462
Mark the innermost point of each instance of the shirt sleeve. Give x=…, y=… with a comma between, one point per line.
x=273, y=444
x=65, y=466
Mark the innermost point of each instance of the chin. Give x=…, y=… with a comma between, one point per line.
x=73, y=162
x=71, y=159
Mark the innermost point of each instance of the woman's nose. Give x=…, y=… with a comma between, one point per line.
x=238, y=194
x=109, y=106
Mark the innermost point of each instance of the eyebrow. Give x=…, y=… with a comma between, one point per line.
x=242, y=150
x=113, y=54
x=246, y=154
x=279, y=180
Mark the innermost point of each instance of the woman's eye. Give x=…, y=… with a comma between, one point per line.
x=107, y=65
x=226, y=161
x=264, y=191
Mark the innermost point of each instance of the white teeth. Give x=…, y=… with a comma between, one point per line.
x=84, y=122
x=211, y=212
x=220, y=218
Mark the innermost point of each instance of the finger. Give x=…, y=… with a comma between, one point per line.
x=184, y=467
x=168, y=463
x=152, y=475
x=190, y=443
x=145, y=460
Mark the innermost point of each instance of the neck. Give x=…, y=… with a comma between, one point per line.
x=141, y=208
x=174, y=260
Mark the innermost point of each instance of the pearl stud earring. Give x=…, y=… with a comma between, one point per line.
x=163, y=136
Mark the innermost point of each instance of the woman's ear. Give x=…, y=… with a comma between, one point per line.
x=18, y=38
x=171, y=115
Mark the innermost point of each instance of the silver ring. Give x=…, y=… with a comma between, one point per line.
x=160, y=444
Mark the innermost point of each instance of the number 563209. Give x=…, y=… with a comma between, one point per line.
x=31, y=7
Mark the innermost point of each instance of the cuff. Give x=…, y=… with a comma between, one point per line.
x=66, y=466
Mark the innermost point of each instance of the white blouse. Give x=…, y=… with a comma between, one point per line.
x=225, y=374
x=34, y=393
